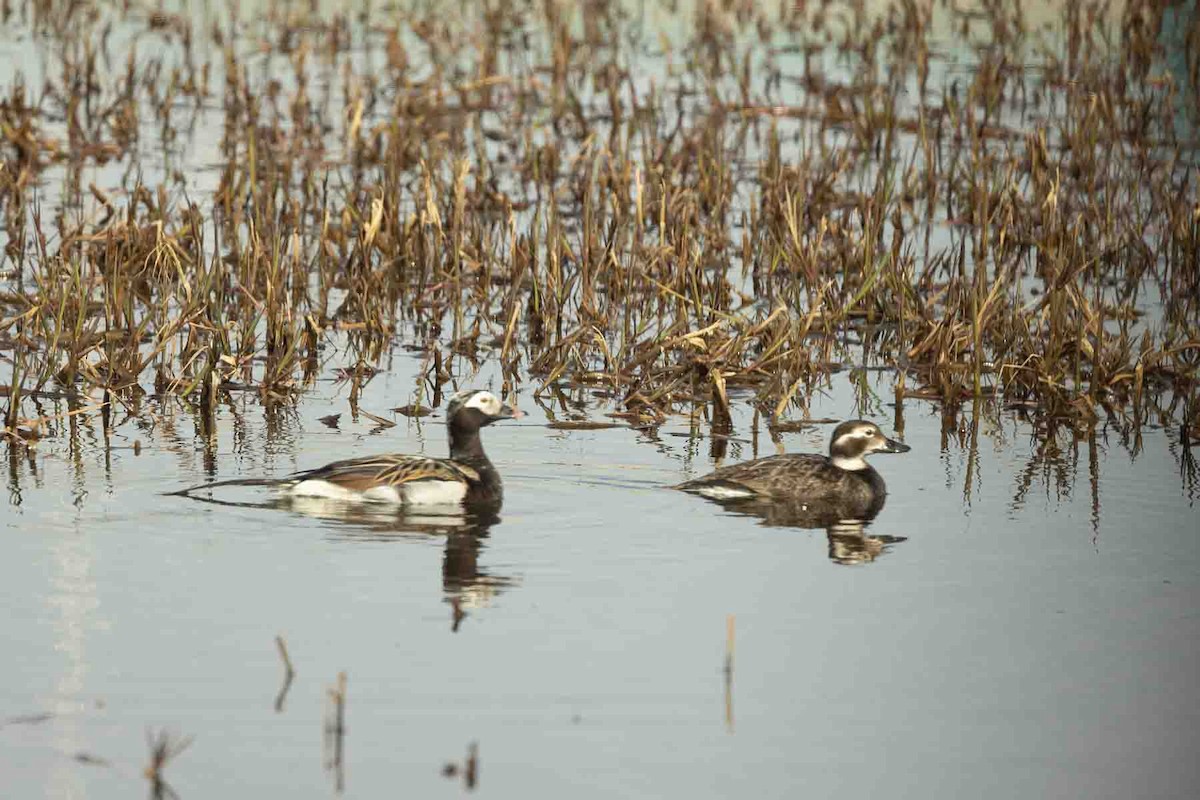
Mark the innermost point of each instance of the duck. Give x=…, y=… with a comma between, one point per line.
x=840, y=486
x=467, y=478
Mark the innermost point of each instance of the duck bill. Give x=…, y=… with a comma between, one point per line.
x=895, y=447
x=508, y=412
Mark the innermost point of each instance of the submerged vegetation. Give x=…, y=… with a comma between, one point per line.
x=683, y=205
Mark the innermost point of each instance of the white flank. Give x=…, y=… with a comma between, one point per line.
x=382, y=494
x=326, y=490
x=434, y=493
x=723, y=492
x=418, y=493
x=849, y=464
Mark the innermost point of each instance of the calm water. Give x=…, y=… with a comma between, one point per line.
x=1021, y=620
x=1032, y=634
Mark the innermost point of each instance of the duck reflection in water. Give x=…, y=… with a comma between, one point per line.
x=466, y=585
x=840, y=492
x=849, y=540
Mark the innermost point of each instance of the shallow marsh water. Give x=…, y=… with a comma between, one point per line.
x=1034, y=634
x=1021, y=620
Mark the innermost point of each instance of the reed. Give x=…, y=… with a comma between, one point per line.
x=164, y=747
x=724, y=213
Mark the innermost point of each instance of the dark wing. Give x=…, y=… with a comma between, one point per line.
x=360, y=474
x=774, y=476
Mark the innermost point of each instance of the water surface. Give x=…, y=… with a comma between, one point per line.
x=1031, y=631
x=1020, y=621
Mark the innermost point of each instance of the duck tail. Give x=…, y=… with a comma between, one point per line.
x=235, y=482
x=716, y=489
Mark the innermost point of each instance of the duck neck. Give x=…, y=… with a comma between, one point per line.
x=855, y=463
x=873, y=480
x=466, y=447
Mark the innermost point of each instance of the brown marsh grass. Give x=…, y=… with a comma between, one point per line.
x=725, y=207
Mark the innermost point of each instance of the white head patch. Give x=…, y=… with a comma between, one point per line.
x=486, y=402
x=863, y=431
x=850, y=447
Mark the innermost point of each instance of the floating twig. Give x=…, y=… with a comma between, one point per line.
x=335, y=731
x=288, y=673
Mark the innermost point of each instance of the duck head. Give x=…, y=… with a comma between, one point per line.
x=853, y=441
x=472, y=410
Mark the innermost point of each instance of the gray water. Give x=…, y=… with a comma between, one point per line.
x=1031, y=631
x=1020, y=621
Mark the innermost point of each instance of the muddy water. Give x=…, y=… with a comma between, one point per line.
x=1019, y=621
